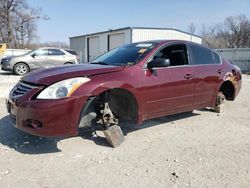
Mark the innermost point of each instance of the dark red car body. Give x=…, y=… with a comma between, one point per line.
x=157, y=92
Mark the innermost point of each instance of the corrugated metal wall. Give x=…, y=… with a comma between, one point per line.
x=109, y=39
x=139, y=35
x=78, y=44
x=238, y=56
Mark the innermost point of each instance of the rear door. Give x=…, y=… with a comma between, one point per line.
x=169, y=90
x=57, y=57
x=208, y=72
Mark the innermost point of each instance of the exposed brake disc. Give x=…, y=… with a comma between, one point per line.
x=107, y=118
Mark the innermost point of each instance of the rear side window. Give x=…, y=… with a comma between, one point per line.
x=201, y=55
x=56, y=52
x=217, y=59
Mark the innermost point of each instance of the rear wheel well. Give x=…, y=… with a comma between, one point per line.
x=228, y=90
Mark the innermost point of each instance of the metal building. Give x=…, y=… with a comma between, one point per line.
x=238, y=56
x=92, y=45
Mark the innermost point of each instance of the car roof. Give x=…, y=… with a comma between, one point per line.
x=51, y=47
x=160, y=41
x=165, y=41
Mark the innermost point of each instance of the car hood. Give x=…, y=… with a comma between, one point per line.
x=14, y=56
x=49, y=76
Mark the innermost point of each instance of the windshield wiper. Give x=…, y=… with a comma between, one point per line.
x=100, y=63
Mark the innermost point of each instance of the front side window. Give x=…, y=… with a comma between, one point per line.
x=201, y=55
x=41, y=52
x=177, y=54
x=126, y=55
x=56, y=52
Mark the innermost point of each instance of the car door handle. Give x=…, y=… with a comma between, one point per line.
x=188, y=76
x=220, y=71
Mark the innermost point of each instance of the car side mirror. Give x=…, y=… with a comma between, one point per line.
x=33, y=55
x=159, y=62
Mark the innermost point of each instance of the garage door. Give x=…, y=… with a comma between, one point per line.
x=93, y=48
x=115, y=40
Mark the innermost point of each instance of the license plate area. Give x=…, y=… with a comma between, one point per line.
x=8, y=106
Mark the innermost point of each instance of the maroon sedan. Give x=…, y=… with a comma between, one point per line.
x=137, y=82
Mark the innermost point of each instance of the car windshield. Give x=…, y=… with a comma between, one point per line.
x=126, y=55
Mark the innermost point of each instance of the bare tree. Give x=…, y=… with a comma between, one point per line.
x=212, y=36
x=237, y=31
x=191, y=28
x=18, y=23
x=234, y=32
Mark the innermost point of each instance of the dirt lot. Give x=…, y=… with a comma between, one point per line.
x=199, y=149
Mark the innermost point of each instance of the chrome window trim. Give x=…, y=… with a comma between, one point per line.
x=184, y=66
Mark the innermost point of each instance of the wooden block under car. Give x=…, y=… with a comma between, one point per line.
x=114, y=135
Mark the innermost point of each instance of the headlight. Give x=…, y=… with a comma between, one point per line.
x=62, y=89
x=6, y=60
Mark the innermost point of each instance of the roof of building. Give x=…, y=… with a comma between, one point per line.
x=124, y=28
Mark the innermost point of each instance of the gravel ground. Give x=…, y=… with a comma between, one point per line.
x=199, y=149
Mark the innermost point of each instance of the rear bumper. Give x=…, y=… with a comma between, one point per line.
x=47, y=117
x=238, y=87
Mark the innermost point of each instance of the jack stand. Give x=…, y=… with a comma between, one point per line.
x=109, y=123
x=114, y=135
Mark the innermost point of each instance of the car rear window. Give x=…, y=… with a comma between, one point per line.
x=201, y=55
x=71, y=52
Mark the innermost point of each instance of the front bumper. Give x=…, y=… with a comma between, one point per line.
x=47, y=117
x=6, y=67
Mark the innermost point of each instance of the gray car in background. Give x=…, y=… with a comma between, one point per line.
x=37, y=59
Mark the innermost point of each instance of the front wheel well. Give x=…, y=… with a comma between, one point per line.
x=21, y=63
x=18, y=63
x=228, y=90
x=122, y=102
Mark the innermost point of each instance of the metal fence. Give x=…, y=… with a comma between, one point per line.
x=238, y=56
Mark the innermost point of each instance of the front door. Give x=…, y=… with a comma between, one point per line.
x=168, y=90
x=40, y=59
